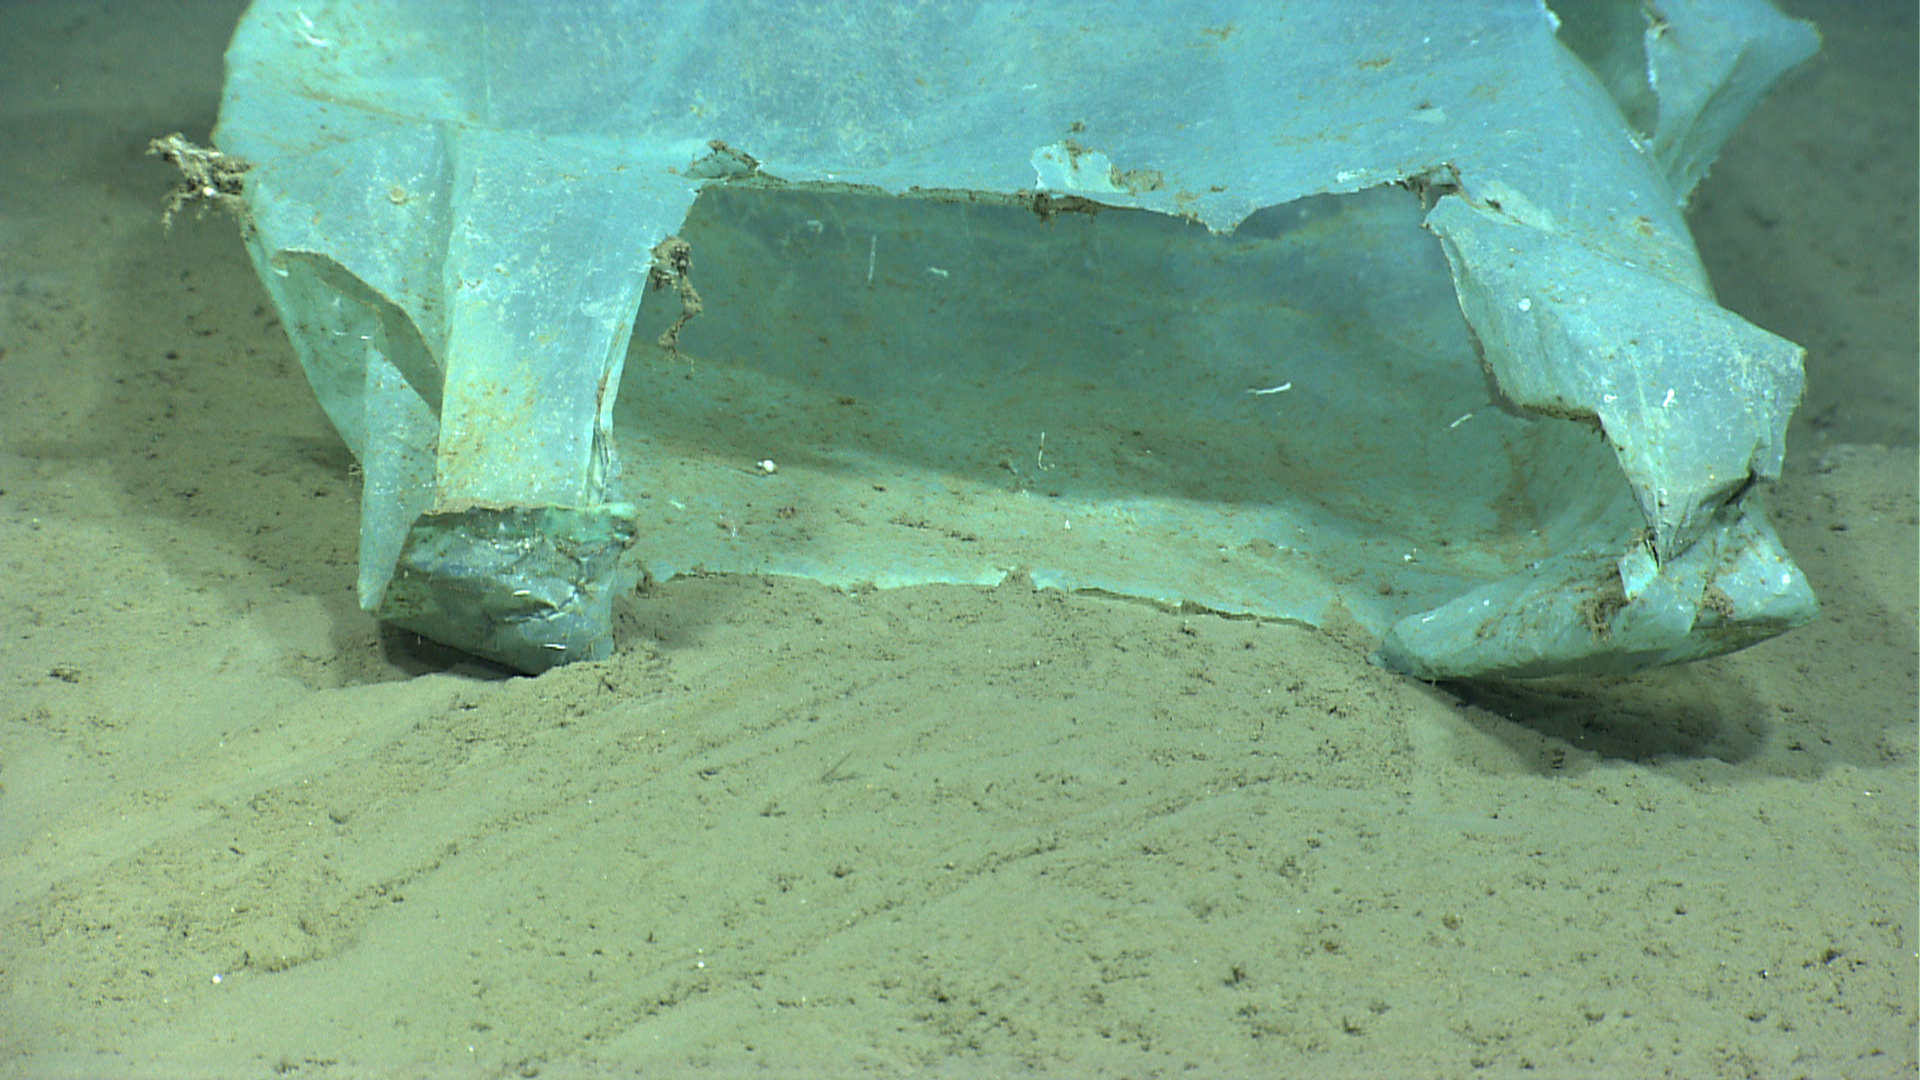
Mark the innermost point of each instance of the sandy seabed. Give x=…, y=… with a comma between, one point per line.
x=935, y=831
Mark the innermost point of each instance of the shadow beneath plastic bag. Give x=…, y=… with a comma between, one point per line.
x=1677, y=713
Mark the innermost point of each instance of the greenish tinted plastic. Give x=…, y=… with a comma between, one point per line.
x=1378, y=314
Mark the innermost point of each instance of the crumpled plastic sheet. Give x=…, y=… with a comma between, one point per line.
x=1380, y=314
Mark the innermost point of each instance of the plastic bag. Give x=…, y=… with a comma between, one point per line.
x=1357, y=314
